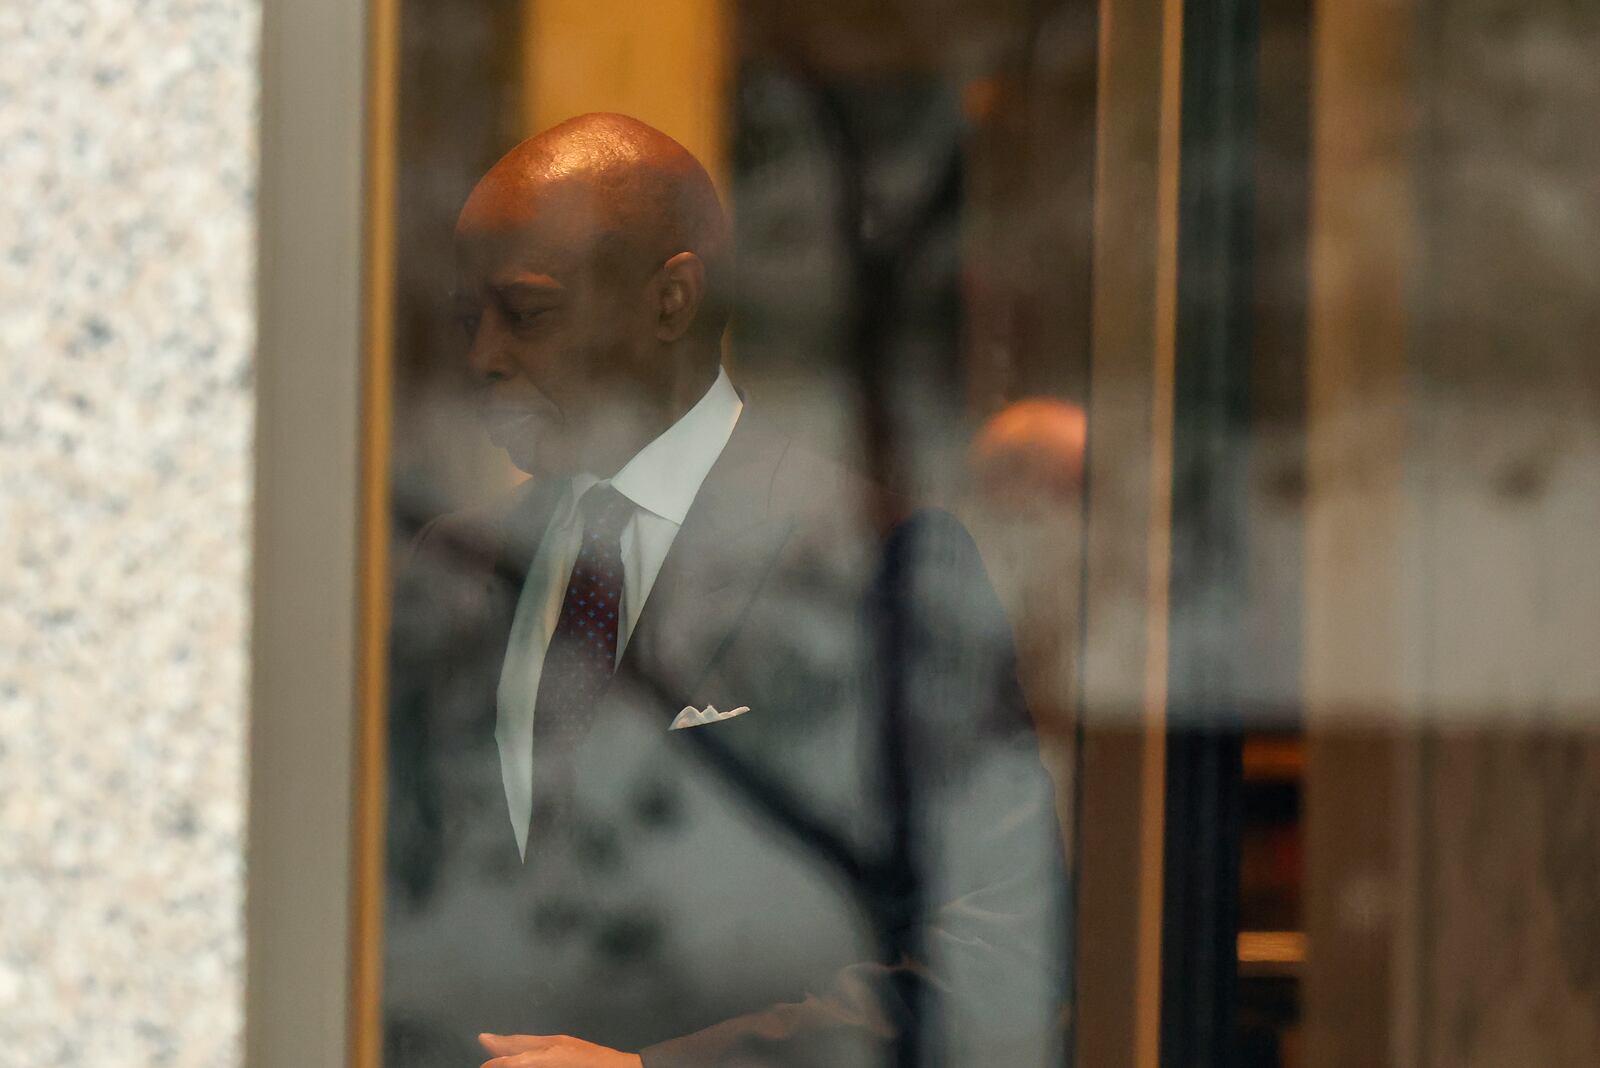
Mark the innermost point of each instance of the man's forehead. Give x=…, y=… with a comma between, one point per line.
x=529, y=245
x=557, y=204
x=542, y=244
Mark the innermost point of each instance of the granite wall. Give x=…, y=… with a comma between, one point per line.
x=127, y=246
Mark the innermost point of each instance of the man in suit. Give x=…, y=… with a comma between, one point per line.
x=704, y=751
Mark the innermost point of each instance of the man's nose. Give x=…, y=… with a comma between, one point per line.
x=487, y=358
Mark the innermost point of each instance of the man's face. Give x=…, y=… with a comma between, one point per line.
x=559, y=336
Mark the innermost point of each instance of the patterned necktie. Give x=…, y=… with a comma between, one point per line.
x=583, y=649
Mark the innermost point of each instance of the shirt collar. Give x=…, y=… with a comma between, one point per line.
x=665, y=475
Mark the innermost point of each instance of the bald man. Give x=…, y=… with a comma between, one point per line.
x=705, y=753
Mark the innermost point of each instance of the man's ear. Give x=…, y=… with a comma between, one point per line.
x=681, y=289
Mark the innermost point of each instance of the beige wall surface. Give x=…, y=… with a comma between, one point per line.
x=127, y=175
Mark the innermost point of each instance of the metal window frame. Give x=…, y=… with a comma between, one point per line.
x=320, y=572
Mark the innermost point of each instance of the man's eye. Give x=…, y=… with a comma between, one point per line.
x=527, y=316
x=468, y=325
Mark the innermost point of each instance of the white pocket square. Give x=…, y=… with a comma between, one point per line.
x=699, y=717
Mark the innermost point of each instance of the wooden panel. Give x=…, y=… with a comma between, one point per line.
x=1510, y=935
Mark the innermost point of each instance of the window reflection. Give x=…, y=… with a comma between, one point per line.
x=710, y=740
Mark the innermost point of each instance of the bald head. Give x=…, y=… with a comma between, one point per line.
x=590, y=267
x=633, y=197
x=1031, y=452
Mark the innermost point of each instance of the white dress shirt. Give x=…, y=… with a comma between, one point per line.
x=662, y=481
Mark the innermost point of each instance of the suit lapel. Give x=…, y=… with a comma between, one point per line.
x=725, y=548
x=512, y=538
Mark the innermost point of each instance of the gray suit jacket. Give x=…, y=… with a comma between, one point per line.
x=863, y=869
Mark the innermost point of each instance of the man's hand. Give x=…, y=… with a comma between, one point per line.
x=552, y=1051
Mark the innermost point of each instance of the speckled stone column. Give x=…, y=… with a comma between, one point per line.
x=127, y=170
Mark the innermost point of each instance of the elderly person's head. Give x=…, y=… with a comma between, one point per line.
x=1029, y=456
x=591, y=269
